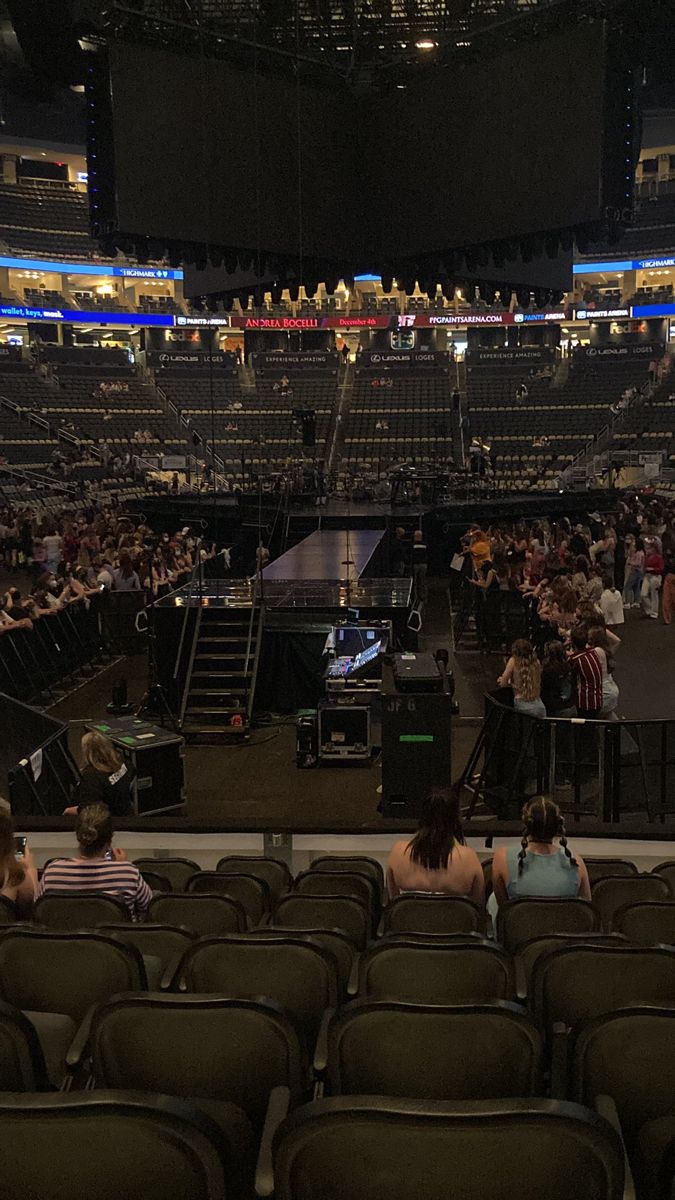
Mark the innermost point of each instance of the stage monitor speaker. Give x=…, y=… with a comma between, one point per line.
x=156, y=756
x=416, y=754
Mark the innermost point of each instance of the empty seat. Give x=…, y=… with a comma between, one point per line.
x=630, y=1057
x=86, y=910
x=55, y=978
x=520, y=920
x=352, y=862
x=599, y=868
x=370, y=1147
x=433, y=914
x=387, y=1048
x=667, y=871
x=578, y=983
x=338, y=944
x=647, y=922
x=111, y=1145
x=298, y=974
x=341, y=883
x=22, y=1064
x=253, y=894
x=528, y=952
x=160, y=944
x=447, y=973
x=176, y=870
x=231, y=1052
x=275, y=873
x=324, y=912
x=205, y=916
x=158, y=883
x=612, y=893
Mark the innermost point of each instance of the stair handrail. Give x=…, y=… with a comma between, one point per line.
x=196, y=575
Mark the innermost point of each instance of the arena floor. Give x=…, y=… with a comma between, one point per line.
x=258, y=782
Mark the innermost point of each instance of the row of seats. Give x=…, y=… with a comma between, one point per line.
x=587, y=999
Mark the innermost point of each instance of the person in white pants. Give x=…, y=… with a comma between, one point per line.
x=651, y=584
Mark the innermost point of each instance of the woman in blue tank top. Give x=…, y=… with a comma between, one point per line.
x=544, y=865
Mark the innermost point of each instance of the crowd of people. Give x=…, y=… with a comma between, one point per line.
x=61, y=560
x=573, y=585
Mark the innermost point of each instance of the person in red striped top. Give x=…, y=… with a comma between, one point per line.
x=587, y=673
x=100, y=866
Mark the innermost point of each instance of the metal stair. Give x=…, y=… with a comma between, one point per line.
x=220, y=687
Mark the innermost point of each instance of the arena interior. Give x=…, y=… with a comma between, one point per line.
x=337, y=580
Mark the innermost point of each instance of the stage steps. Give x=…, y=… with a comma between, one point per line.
x=218, y=699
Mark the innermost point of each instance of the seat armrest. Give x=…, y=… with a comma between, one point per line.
x=321, y=1048
x=353, y=982
x=170, y=981
x=559, y=1055
x=520, y=980
x=606, y=1107
x=277, y=1108
x=80, y=1043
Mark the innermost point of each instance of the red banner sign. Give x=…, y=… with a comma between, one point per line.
x=427, y=320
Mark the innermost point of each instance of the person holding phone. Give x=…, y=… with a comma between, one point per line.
x=100, y=867
x=18, y=873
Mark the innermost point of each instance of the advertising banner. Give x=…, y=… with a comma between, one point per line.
x=282, y=360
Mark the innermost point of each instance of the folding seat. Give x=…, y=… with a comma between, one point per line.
x=377, y=1047
x=271, y=871
x=204, y=915
x=22, y=1064
x=368, y=1147
x=667, y=871
x=86, y=910
x=324, y=912
x=437, y=970
x=529, y=917
x=341, y=883
x=55, y=978
x=647, y=923
x=433, y=914
x=627, y=1059
x=176, y=870
x=610, y=894
x=251, y=893
x=598, y=868
x=529, y=952
x=297, y=973
x=577, y=983
x=159, y=945
x=113, y=1145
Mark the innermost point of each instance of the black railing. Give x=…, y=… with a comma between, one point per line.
x=598, y=769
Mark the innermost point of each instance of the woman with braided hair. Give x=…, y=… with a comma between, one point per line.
x=544, y=864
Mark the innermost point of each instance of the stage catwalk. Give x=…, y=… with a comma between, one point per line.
x=329, y=555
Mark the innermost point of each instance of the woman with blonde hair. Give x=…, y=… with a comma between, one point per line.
x=523, y=673
x=106, y=779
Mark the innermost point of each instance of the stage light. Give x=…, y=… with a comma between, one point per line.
x=425, y=44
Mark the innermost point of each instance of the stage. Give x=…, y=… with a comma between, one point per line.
x=329, y=555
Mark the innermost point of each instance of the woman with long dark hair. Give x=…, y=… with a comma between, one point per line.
x=436, y=859
x=543, y=865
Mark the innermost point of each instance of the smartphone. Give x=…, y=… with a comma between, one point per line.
x=20, y=846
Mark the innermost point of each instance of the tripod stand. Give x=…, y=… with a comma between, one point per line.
x=154, y=702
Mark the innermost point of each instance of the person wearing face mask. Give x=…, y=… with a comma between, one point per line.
x=8, y=622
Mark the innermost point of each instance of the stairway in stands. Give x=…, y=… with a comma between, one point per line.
x=218, y=698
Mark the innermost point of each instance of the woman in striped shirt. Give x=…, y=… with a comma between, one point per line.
x=99, y=868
